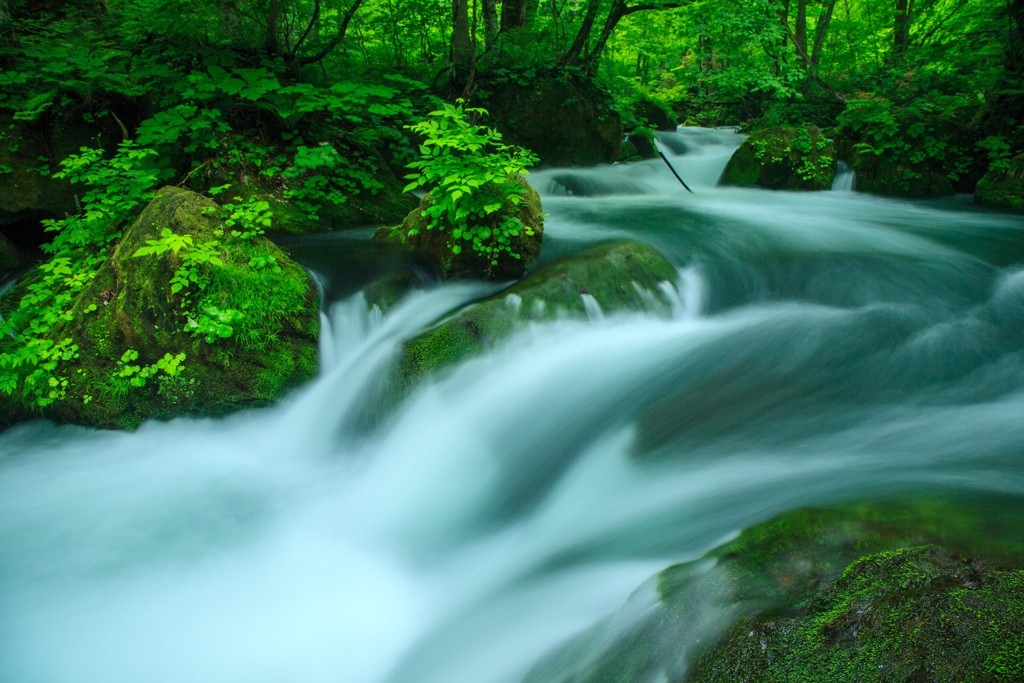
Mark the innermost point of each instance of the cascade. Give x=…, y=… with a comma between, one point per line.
x=507, y=521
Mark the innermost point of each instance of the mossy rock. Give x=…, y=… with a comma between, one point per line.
x=643, y=142
x=657, y=116
x=628, y=152
x=620, y=276
x=565, y=120
x=129, y=305
x=8, y=256
x=783, y=159
x=384, y=203
x=437, y=245
x=914, y=614
x=1003, y=189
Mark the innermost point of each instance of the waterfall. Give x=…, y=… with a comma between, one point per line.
x=845, y=179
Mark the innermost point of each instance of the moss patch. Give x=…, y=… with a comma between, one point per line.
x=783, y=159
x=1003, y=189
x=620, y=276
x=273, y=347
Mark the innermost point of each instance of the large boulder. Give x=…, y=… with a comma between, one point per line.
x=130, y=306
x=614, y=277
x=438, y=245
x=1003, y=188
x=924, y=589
x=783, y=159
x=565, y=120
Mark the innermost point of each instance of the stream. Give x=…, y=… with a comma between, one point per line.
x=824, y=347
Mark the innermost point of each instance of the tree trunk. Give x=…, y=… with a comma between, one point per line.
x=583, y=34
x=462, y=43
x=491, y=26
x=901, y=29
x=820, y=31
x=273, y=15
x=513, y=14
x=801, y=26
x=784, y=18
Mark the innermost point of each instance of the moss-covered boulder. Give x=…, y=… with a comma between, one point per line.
x=8, y=256
x=619, y=276
x=783, y=159
x=923, y=589
x=129, y=307
x=438, y=245
x=914, y=614
x=566, y=120
x=1003, y=188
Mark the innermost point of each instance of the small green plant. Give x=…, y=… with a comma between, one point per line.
x=192, y=257
x=214, y=323
x=137, y=375
x=471, y=183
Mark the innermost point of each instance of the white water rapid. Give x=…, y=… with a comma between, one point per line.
x=824, y=347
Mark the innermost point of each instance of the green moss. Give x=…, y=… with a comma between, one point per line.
x=273, y=347
x=783, y=159
x=643, y=142
x=1003, y=189
x=620, y=276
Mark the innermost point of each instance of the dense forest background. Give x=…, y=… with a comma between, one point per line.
x=310, y=98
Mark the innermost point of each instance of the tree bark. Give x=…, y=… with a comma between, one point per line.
x=820, y=31
x=491, y=26
x=801, y=28
x=338, y=37
x=901, y=29
x=583, y=34
x=513, y=14
x=462, y=43
x=619, y=10
x=273, y=15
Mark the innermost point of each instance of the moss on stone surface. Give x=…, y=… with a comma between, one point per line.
x=783, y=159
x=643, y=143
x=436, y=245
x=566, y=120
x=272, y=349
x=620, y=276
x=1003, y=189
x=656, y=116
x=924, y=589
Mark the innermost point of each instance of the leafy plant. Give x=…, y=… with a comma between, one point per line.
x=471, y=183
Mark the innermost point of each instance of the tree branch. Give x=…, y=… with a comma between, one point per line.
x=338, y=37
x=810, y=72
x=305, y=34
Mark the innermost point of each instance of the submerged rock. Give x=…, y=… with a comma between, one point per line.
x=783, y=159
x=437, y=245
x=565, y=120
x=643, y=142
x=1003, y=189
x=620, y=276
x=129, y=306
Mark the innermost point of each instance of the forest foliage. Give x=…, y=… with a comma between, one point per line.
x=313, y=100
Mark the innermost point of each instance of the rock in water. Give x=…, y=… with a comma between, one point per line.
x=1003, y=188
x=437, y=245
x=129, y=306
x=620, y=276
x=783, y=159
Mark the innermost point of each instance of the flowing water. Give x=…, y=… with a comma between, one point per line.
x=825, y=347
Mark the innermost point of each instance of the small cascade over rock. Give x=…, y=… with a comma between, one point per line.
x=846, y=178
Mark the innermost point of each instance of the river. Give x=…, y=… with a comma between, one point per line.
x=824, y=347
